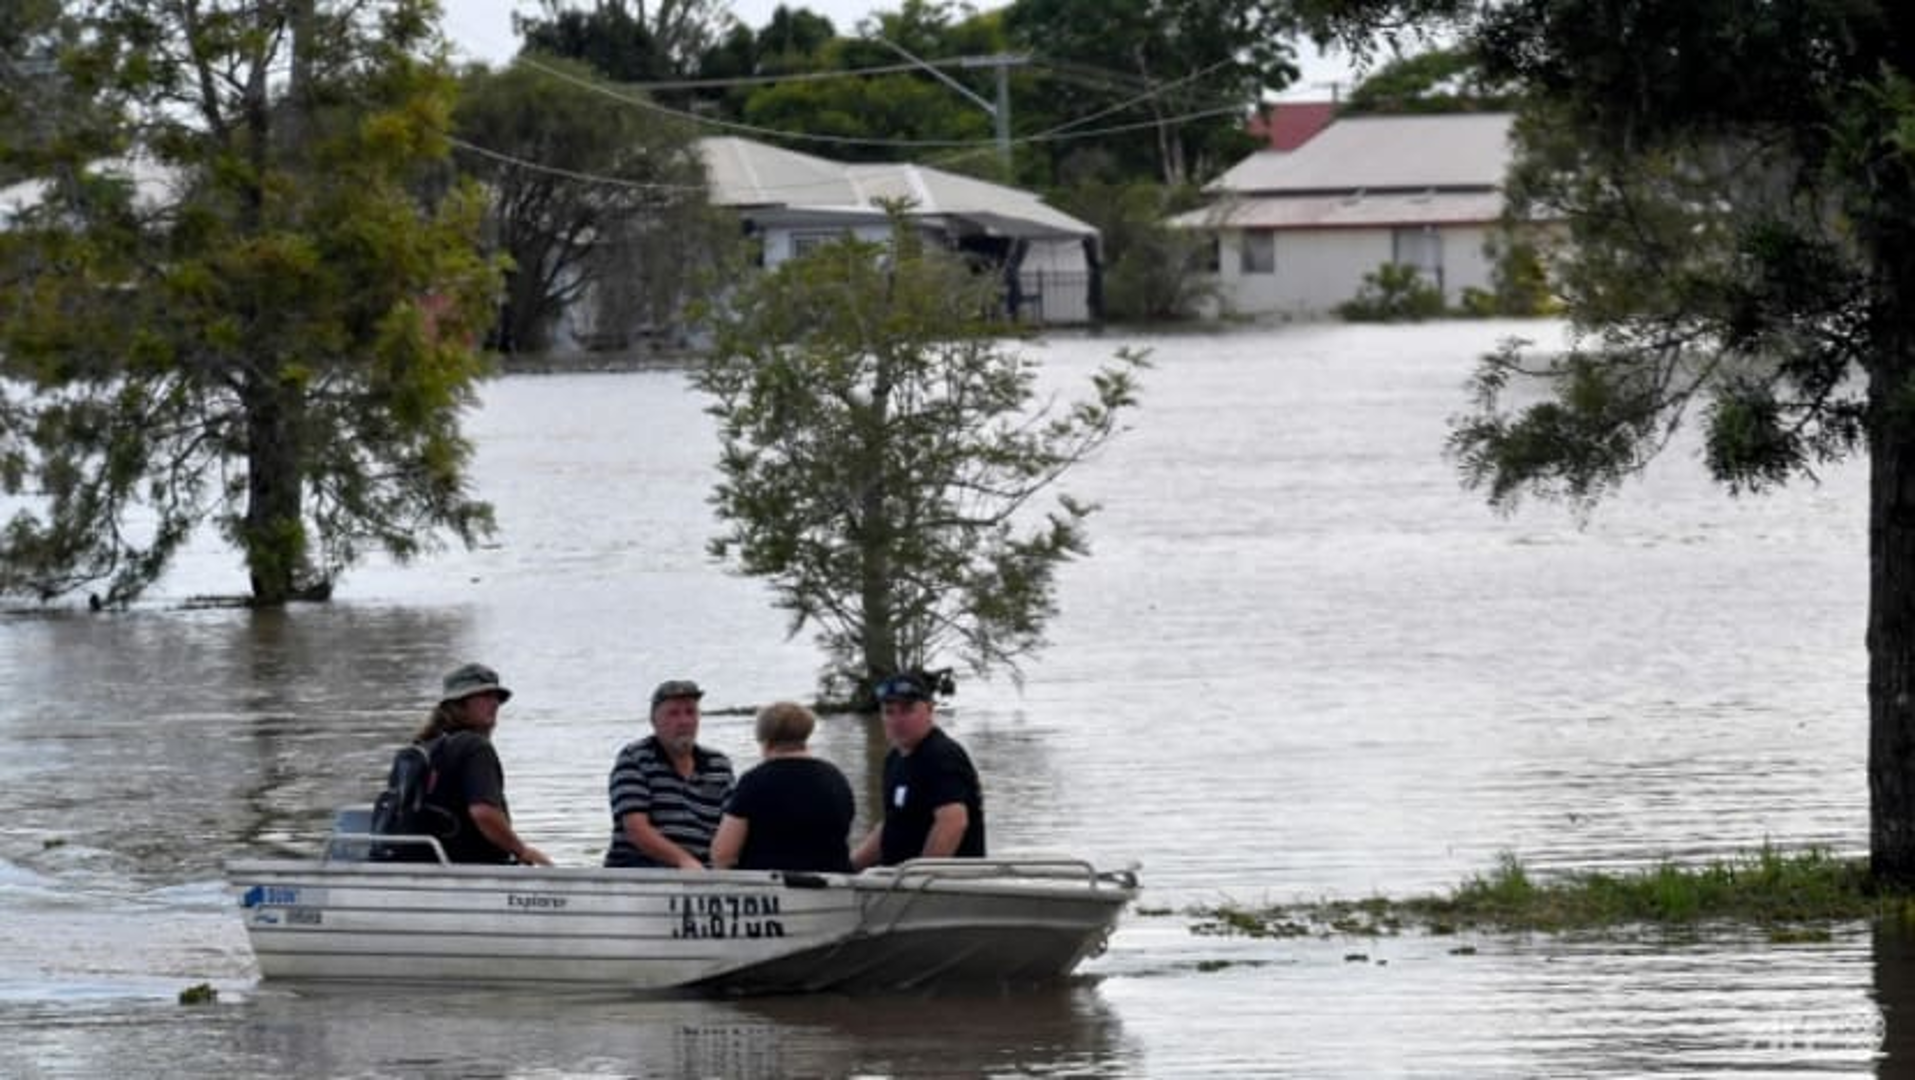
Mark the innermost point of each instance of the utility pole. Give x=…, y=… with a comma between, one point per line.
x=1001, y=111
x=1002, y=114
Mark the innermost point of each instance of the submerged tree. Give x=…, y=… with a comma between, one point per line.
x=883, y=455
x=262, y=312
x=1739, y=179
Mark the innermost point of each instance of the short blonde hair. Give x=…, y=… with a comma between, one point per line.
x=785, y=724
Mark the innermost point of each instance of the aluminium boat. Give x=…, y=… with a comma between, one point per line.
x=346, y=918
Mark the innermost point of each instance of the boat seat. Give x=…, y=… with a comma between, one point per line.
x=350, y=826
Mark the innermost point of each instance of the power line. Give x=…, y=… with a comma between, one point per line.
x=618, y=181
x=1136, y=99
x=719, y=83
x=571, y=174
x=1056, y=134
x=788, y=189
x=732, y=125
x=1203, y=114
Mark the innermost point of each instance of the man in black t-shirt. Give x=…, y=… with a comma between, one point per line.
x=933, y=802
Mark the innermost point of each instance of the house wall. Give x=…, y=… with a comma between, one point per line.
x=782, y=242
x=1317, y=269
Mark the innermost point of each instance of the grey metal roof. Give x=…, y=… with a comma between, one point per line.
x=1458, y=150
x=1006, y=211
x=748, y=173
x=745, y=173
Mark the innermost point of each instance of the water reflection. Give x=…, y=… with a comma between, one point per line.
x=210, y=733
x=1064, y=1032
x=1894, y=985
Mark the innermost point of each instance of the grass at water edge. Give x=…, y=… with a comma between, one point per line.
x=1793, y=897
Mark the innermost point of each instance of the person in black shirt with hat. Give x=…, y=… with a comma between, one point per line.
x=468, y=783
x=933, y=802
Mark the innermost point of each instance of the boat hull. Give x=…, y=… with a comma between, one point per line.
x=928, y=923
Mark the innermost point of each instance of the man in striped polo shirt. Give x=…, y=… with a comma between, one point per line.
x=667, y=791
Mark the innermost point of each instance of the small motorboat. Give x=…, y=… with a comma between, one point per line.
x=345, y=917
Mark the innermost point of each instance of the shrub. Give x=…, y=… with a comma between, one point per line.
x=1393, y=292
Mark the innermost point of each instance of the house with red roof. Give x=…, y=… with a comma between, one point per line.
x=1286, y=125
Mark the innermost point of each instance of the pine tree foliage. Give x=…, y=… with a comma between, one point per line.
x=885, y=451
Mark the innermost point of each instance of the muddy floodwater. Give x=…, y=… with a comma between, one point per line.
x=1300, y=662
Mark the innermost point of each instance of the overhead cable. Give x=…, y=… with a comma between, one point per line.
x=1052, y=135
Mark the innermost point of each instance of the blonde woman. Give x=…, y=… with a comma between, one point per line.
x=791, y=811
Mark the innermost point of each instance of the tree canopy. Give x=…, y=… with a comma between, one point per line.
x=883, y=457
x=262, y=313
x=599, y=200
x=1441, y=80
x=627, y=42
x=1195, y=69
x=1739, y=181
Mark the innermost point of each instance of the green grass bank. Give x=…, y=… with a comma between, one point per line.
x=1791, y=896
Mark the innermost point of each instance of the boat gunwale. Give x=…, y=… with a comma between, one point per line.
x=993, y=876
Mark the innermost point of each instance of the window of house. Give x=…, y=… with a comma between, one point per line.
x=1421, y=247
x=1258, y=254
x=1210, y=255
x=804, y=243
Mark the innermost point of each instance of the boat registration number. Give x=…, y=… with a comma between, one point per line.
x=726, y=915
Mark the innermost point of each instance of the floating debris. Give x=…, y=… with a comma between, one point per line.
x=202, y=994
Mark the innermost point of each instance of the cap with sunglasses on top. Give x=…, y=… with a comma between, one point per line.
x=901, y=688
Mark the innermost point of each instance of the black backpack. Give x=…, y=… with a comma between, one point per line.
x=402, y=810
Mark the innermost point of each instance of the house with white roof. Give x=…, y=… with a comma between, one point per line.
x=1296, y=231
x=1047, y=260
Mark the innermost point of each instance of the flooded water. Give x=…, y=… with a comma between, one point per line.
x=1300, y=662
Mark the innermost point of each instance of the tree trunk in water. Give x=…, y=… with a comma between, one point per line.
x=274, y=535
x=524, y=322
x=1891, y=619
x=874, y=596
x=875, y=591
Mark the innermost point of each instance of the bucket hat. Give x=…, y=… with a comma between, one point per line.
x=469, y=679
